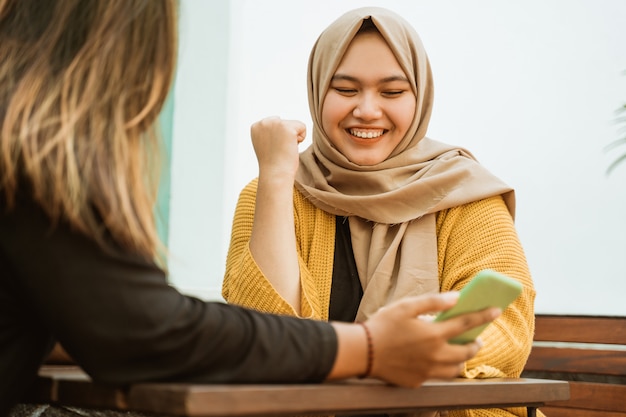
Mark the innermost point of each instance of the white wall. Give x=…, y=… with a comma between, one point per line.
x=530, y=87
x=196, y=223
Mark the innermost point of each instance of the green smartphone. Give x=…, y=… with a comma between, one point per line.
x=488, y=288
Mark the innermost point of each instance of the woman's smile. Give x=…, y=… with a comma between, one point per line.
x=366, y=133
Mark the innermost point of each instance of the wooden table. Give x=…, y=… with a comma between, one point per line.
x=70, y=386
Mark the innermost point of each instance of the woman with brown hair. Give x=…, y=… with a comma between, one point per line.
x=81, y=87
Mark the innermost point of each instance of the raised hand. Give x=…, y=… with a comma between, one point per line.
x=273, y=237
x=275, y=143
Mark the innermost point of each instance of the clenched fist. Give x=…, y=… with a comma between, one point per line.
x=275, y=144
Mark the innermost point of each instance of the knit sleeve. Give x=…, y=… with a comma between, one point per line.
x=482, y=235
x=244, y=283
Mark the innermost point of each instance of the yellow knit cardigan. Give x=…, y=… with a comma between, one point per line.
x=470, y=237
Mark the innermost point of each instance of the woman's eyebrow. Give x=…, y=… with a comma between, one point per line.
x=344, y=77
x=392, y=78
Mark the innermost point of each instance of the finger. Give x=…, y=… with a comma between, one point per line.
x=299, y=129
x=459, y=324
x=455, y=355
x=426, y=304
x=447, y=370
x=302, y=134
x=427, y=317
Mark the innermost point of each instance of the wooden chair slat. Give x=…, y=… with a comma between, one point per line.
x=581, y=329
x=589, y=361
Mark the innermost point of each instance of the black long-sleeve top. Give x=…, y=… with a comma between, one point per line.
x=117, y=316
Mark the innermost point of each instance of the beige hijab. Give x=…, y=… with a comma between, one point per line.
x=391, y=205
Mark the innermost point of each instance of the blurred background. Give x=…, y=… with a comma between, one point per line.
x=532, y=88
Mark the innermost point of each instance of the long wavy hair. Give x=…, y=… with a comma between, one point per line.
x=82, y=83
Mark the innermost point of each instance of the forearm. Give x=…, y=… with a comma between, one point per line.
x=245, y=284
x=351, y=359
x=118, y=317
x=273, y=238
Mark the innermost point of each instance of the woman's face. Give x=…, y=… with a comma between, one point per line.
x=369, y=105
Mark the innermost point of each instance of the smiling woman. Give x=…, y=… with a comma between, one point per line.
x=374, y=211
x=368, y=108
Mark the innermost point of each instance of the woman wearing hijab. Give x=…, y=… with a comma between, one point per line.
x=81, y=88
x=374, y=210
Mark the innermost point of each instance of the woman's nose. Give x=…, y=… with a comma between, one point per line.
x=367, y=108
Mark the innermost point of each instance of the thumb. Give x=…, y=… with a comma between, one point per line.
x=300, y=130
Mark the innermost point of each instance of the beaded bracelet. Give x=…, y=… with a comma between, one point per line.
x=370, y=352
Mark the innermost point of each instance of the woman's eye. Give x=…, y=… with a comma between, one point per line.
x=345, y=91
x=393, y=93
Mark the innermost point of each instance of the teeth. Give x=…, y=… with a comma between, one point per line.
x=366, y=135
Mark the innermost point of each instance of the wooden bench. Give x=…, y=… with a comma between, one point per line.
x=590, y=353
x=70, y=386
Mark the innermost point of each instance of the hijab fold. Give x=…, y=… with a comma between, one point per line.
x=392, y=205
